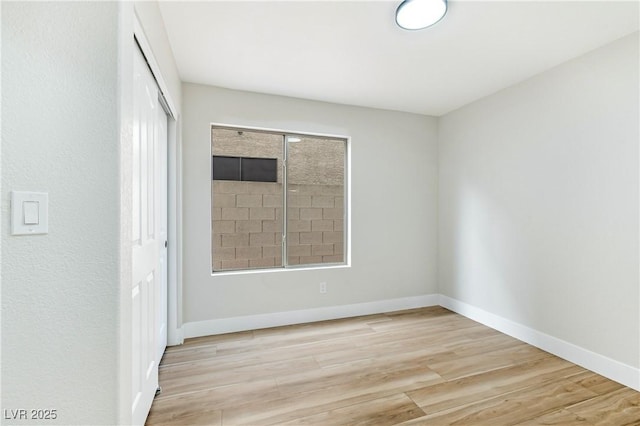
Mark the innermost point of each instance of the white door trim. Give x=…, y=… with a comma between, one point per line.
x=138, y=33
x=174, y=219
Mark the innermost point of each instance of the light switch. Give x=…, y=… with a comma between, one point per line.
x=29, y=213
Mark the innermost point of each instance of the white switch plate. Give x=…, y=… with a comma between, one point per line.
x=19, y=200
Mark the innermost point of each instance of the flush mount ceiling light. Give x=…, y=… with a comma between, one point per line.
x=419, y=14
x=293, y=139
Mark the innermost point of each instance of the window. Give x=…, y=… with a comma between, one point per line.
x=272, y=213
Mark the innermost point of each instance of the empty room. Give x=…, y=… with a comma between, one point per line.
x=418, y=212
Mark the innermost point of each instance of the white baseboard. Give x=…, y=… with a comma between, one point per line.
x=607, y=367
x=175, y=336
x=254, y=322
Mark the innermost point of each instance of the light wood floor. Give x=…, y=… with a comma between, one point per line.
x=420, y=367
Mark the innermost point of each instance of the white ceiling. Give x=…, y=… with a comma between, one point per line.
x=353, y=53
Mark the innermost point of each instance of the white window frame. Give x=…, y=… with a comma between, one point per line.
x=346, y=205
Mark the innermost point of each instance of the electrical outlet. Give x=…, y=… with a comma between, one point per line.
x=323, y=287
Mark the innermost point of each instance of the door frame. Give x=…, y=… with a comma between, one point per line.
x=130, y=31
x=174, y=196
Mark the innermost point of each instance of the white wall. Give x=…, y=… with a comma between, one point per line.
x=67, y=77
x=60, y=291
x=538, y=203
x=393, y=173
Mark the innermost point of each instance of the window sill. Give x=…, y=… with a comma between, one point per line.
x=280, y=269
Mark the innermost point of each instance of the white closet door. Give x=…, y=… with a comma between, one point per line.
x=149, y=236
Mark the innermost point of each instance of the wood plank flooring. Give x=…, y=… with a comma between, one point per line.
x=426, y=366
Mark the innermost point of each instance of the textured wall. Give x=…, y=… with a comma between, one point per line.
x=538, y=202
x=60, y=291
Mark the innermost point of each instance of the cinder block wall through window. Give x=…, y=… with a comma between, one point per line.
x=247, y=220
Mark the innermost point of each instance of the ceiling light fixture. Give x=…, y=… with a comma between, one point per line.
x=419, y=14
x=293, y=139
